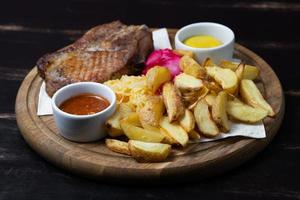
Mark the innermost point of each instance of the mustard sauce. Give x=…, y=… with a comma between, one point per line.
x=202, y=41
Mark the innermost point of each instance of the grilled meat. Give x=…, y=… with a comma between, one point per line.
x=105, y=52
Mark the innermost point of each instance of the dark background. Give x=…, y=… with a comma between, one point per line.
x=28, y=29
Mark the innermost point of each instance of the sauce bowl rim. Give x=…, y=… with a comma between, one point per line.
x=187, y=27
x=100, y=85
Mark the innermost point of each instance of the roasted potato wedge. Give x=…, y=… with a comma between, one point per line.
x=194, y=135
x=148, y=152
x=244, y=112
x=229, y=65
x=219, y=113
x=187, y=82
x=134, y=132
x=175, y=131
x=113, y=123
x=240, y=71
x=213, y=86
x=117, y=146
x=152, y=111
x=253, y=97
x=203, y=92
x=204, y=121
x=184, y=53
x=187, y=121
x=208, y=62
x=167, y=138
x=210, y=99
x=250, y=72
x=225, y=77
x=189, y=66
x=173, y=102
x=157, y=76
x=133, y=119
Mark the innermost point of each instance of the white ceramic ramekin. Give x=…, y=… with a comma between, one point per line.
x=219, y=31
x=82, y=128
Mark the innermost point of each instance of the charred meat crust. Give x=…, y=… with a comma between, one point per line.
x=106, y=51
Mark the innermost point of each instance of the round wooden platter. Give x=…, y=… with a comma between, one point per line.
x=94, y=160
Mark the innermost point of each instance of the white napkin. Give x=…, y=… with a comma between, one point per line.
x=44, y=104
x=161, y=41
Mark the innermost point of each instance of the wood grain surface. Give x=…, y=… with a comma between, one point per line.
x=94, y=160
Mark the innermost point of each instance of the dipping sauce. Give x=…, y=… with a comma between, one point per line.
x=202, y=41
x=84, y=104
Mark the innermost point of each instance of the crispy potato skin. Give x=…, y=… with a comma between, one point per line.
x=187, y=121
x=245, y=113
x=167, y=138
x=157, y=76
x=189, y=66
x=152, y=112
x=194, y=135
x=219, y=112
x=229, y=65
x=253, y=97
x=175, y=131
x=117, y=146
x=113, y=123
x=185, y=82
x=149, y=152
x=225, y=77
x=203, y=119
x=134, y=132
x=172, y=101
x=250, y=72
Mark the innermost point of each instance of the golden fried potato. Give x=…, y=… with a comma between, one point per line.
x=213, y=86
x=250, y=72
x=203, y=119
x=203, y=92
x=228, y=64
x=194, y=135
x=175, y=131
x=189, y=66
x=117, y=146
x=149, y=152
x=225, y=77
x=134, y=132
x=253, y=97
x=245, y=113
x=113, y=123
x=157, y=76
x=219, y=113
x=187, y=121
x=210, y=99
x=167, y=138
x=173, y=102
x=133, y=119
x=240, y=71
x=208, y=62
x=152, y=111
x=185, y=82
x=184, y=53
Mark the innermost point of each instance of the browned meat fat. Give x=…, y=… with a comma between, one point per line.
x=104, y=52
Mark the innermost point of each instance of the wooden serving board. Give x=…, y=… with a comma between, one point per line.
x=96, y=161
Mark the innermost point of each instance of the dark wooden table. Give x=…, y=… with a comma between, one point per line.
x=28, y=29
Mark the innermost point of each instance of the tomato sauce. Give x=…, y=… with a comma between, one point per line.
x=84, y=104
